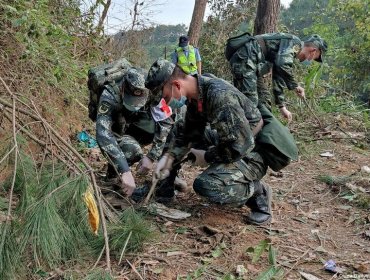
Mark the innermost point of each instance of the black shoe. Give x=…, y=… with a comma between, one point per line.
x=139, y=194
x=163, y=193
x=260, y=205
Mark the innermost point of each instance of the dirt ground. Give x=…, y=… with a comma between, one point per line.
x=312, y=223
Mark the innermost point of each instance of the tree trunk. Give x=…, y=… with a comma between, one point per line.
x=266, y=22
x=267, y=16
x=197, y=21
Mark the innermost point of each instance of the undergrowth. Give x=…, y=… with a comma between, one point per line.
x=49, y=225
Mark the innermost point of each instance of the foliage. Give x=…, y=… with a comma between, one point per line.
x=50, y=219
x=44, y=47
x=130, y=232
x=142, y=47
x=273, y=271
x=9, y=252
x=98, y=274
x=227, y=19
x=344, y=25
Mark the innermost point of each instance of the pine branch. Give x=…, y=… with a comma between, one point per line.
x=87, y=166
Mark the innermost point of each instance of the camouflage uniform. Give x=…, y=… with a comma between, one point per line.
x=262, y=53
x=120, y=132
x=228, y=140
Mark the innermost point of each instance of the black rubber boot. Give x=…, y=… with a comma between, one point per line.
x=260, y=205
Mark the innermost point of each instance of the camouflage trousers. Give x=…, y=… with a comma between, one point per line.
x=248, y=67
x=231, y=183
x=131, y=148
x=222, y=183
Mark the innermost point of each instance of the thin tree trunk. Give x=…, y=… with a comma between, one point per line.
x=197, y=21
x=103, y=15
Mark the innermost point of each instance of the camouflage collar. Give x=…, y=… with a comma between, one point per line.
x=200, y=81
x=202, y=84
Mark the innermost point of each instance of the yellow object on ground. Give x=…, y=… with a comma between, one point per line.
x=93, y=211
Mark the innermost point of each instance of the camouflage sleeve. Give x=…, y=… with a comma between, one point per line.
x=235, y=137
x=104, y=136
x=278, y=90
x=283, y=65
x=187, y=130
x=162, y=129
x=178, y=143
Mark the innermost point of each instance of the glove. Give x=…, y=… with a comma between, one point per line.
x=199, y=157
x=163, y=167
x=128, y=183
x=300, y=92
x=145, y=165
x=286, y=114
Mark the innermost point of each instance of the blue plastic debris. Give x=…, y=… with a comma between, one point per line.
x=330, y=265
x=84, y=137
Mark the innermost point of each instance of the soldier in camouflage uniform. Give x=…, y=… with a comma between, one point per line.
x=234, y=168
x=124, y=122
x=276, y=52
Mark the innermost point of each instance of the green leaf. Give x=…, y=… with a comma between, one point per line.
x=181, y=230
x=272, y=255
x=10, y=8
x=217, y=252
x=269, y=273
x=259, y=249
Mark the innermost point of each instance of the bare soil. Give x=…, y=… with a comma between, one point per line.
x=312, y=223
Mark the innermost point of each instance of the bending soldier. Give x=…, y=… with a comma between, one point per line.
x=260, y=54
x=235, y=167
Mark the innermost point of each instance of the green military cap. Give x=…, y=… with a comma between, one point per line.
x=160, y=71
x=317, y=41
x=135, y=93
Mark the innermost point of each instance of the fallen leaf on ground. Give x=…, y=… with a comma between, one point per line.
x=327, y=154
x=308, y=276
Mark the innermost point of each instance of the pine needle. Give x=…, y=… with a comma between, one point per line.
x=334, y=180
x=9, y=253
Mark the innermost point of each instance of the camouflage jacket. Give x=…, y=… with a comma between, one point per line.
x=281, y=49
x=113, y=120
x=228, y=112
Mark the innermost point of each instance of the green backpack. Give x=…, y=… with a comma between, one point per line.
x=106, y=74
x=234, y=43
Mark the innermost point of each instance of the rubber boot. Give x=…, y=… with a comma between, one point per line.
x=260, y=205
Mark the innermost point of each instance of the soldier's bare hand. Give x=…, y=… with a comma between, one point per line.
x=128, y=183
x=286, y=114
x=145, y=165
x=300, y=91
x=163, y=167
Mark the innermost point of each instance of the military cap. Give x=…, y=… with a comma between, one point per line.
x=135, y=93
x=160, y=71
x=183, y=41
x=318, y=42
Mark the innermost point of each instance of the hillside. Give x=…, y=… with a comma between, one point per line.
x=320, y=202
